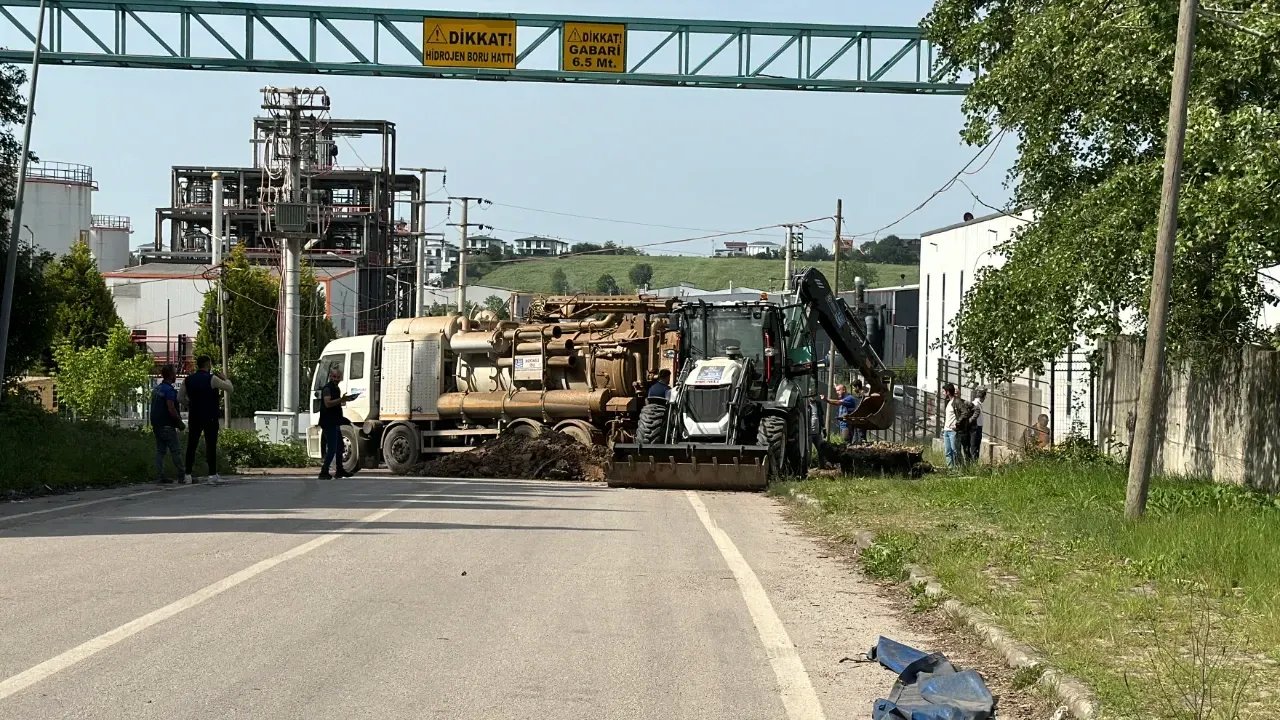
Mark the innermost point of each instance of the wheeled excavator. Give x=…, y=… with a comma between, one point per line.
x=737, y=416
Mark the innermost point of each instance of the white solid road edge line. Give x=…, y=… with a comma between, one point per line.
x=57, y=664
x=798, y=696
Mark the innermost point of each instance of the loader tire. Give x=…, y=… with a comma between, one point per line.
x=652, y=424
x=773, y=435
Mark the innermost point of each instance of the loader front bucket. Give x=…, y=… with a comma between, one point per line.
x=689, y=466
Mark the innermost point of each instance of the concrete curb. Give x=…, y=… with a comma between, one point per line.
x=1069, y=691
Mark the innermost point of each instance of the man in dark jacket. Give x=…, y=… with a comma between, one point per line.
x=165, y=422
x=201, y=393
x=331, y=421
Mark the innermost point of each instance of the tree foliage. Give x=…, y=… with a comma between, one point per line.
x=559, y=282
x=86, y=312
x=606, y=285
x=500, y=308
x=95, y=380
x=640, y=275
x=892, y=250
x=816, y=253
x=1083, y=86
x=253, y=361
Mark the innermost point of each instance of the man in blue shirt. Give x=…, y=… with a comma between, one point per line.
x=661, y=388
x=846, y=404
x=166, y=421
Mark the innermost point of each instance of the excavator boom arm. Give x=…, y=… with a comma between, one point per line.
x=851, y=341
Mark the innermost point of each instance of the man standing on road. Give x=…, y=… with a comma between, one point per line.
x=201, y=394
x=165, y=423
x=331, y=421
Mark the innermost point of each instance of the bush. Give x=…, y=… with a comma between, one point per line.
x=244, y=449
x=41, y=453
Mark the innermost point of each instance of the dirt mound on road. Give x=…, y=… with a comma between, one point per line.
x=550, y=456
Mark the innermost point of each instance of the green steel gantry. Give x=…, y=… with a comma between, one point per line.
x=279, y=38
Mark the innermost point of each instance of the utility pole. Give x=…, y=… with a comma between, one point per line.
x=1149, y=393
x=420, y=257
x=216, y=238
x=464, y=250
x=11, y=261
x=292, y=215
x=835, y=288
x=795, y=240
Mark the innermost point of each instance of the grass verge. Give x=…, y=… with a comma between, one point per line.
x=1160, y=617
x=43, y=454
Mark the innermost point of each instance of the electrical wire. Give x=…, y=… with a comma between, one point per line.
x=991, y=145
x=605, y=219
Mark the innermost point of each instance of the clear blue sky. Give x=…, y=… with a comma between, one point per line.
x=722, y=159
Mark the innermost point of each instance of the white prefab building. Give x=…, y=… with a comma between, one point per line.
x=761, y=247
x=164, y=300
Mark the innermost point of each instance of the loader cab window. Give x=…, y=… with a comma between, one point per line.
x=711, y=331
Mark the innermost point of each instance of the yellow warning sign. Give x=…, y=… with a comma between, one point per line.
x=469, y=42
x=594, y=47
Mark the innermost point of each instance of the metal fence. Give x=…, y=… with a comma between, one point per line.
x=1061, y=399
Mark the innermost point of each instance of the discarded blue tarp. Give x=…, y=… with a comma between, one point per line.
x=929, y=687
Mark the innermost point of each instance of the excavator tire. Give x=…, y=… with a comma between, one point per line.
x=652, y=423
x=773, y=435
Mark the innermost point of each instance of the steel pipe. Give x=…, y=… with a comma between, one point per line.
x=524, y=404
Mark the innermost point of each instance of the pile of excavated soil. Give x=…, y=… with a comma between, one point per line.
x=550, y=456
x=879, y=458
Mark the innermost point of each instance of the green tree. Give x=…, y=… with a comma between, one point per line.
x=559, y=282
x=854, y=265
x=606, y=285
x=640, y=275
x=95, y=381
x=816, y=253
x=86, y=312
x=253, y=360
x=892, y=250
x=1083, y=86
x=498, y=307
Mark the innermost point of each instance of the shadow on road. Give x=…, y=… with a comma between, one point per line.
x=290, y=507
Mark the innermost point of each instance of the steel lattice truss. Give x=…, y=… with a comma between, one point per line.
x=264, y=37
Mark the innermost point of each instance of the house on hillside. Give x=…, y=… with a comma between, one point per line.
x=536, y=246
x=488, y=244
x=732, y=248
x=441, y=254
x=762, y=247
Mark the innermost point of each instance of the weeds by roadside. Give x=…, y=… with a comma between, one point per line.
x=1043, y=547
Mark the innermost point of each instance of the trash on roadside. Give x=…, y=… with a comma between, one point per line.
x=929, y=687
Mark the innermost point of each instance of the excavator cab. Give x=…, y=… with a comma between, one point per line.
x=735, y=418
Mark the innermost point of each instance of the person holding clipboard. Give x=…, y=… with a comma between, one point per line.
x=331, y=422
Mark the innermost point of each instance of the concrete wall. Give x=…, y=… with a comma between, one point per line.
x=1221, y=425
x=146, y=303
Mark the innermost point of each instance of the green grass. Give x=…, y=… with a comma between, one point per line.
x=1043, y=547
x=705, y=273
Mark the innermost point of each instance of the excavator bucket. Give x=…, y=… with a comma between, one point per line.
x=875, y=412
x=689, y=466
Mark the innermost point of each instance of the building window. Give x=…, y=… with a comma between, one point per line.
x=357, y=366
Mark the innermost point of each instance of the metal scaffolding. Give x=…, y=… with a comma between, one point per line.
x=268, y=37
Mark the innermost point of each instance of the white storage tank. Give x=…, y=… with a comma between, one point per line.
x=109, y=241
x=57, y=205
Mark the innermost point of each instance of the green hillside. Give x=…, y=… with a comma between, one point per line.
x=705, y=273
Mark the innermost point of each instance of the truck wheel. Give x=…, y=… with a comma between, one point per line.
x=773, y=435
x=401, y=448
x=652, y=424
x=351, y=456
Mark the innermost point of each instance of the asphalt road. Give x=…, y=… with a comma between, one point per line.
x=391, y=598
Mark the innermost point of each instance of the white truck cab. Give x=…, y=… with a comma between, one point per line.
x=358, y=358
